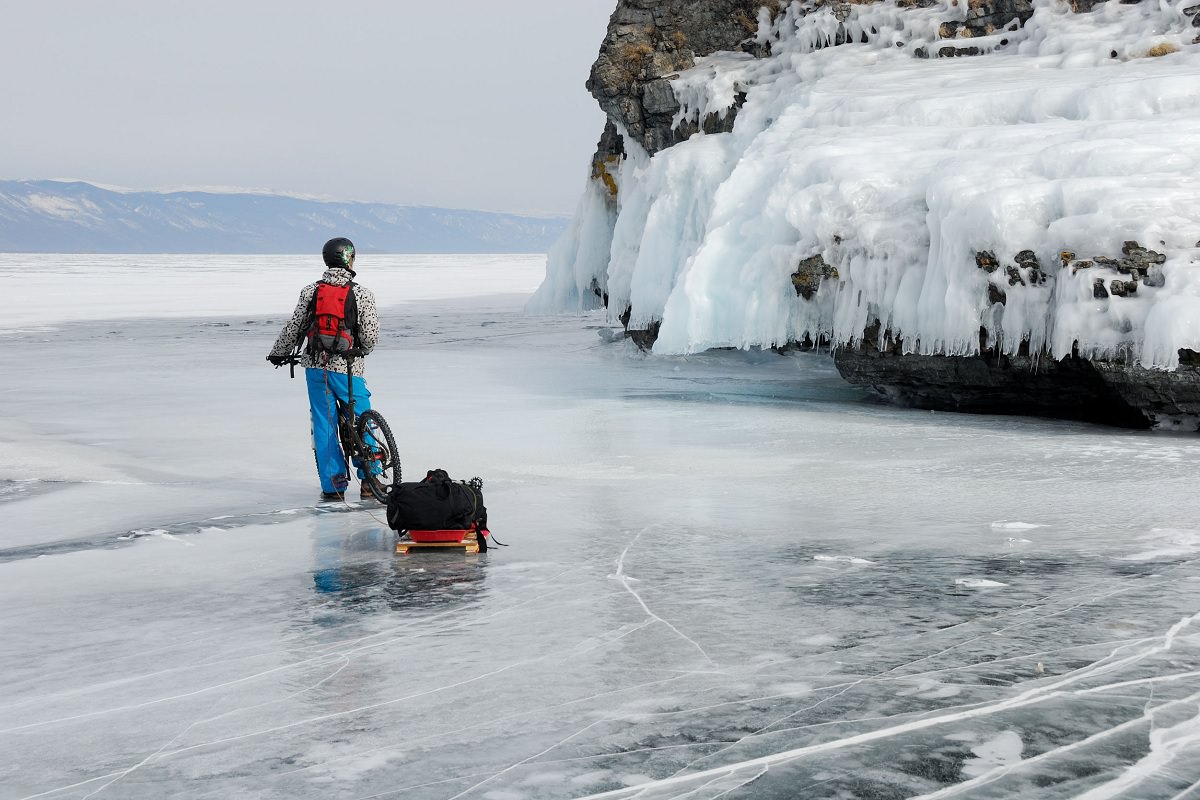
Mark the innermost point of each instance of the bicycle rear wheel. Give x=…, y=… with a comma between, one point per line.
x=381, y=467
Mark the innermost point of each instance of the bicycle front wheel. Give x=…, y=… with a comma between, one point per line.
x=381, y=467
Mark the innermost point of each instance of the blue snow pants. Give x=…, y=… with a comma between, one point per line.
x=324, y=390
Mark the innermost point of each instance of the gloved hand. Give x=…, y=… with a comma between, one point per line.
x=278, y=361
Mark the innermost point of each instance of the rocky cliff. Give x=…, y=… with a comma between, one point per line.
x=1038, y=251
x=650, y=41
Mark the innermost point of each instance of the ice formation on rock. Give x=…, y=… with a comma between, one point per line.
x=1036, y=189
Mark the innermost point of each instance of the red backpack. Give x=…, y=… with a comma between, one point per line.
x=334, y=320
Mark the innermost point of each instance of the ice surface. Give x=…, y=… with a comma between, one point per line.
x=728, y=574
x=1067, y=134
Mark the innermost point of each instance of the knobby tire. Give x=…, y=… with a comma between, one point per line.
x=371, y=423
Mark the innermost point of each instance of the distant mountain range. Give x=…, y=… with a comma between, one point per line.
x=76, y=217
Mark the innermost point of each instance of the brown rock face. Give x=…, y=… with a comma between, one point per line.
x=649, y=40
x=810, y=273
x=988, y=16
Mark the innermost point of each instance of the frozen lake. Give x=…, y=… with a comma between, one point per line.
x=728, y=575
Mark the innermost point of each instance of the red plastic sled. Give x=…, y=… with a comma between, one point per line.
x=466, y=539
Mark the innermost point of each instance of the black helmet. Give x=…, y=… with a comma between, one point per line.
x=338, y=252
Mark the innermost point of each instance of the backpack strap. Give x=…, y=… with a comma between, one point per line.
x=351, y=315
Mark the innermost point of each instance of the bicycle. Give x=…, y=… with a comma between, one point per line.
x=366, y=439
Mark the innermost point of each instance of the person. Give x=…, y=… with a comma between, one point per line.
x=336, y=319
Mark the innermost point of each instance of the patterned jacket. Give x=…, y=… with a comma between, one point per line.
x=368, y=325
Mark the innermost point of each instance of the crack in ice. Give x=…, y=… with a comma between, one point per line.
x=624, y=580
x=1035, y=695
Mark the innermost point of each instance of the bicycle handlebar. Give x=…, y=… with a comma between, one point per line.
x=291, y=360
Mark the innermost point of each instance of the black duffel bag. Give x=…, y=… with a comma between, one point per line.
x=437, y=504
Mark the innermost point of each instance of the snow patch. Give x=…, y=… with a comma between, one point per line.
x=928, y=689
x=843, y=559
x=1001, y=751
x=62, y=207
x=820, y=640
x=1167, y=543
x=158, y=532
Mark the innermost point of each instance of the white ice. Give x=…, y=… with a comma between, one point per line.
x=1073, y=133
x=727, y=574
x=1004, y=749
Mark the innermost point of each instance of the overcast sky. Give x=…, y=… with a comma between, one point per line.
x=466, y=104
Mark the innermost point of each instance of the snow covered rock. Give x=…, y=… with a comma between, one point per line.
x=986, y=206
x=648, y=43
